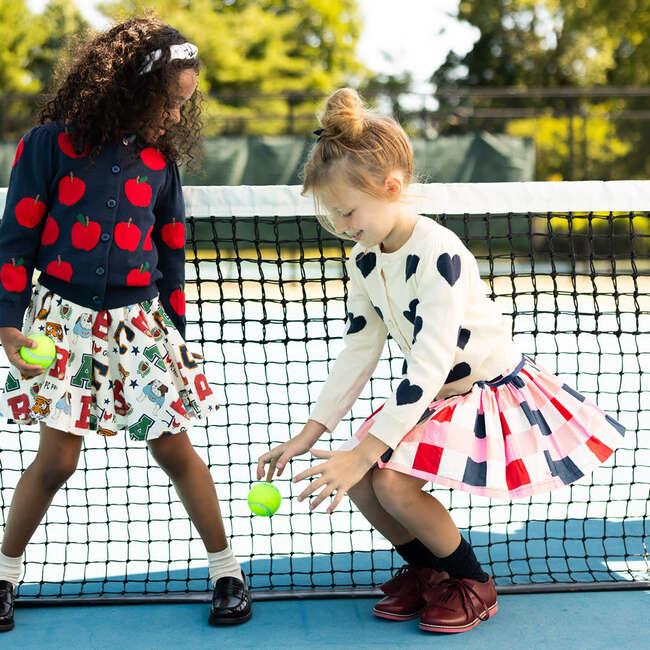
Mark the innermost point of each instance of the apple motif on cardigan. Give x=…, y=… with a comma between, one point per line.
x=177, y=301
x=13, y=276
x=127, y=235
x=71, y=189
x=29, y=211
x=19, y=151
x=50, y=232
x=85, y=233
x=153, y=158
x=139, y=277
x=66, y=144
x=59, y=269
x=173, y=234
x=138, y=191
x=147, y=245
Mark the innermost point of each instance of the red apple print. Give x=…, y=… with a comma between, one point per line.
x=173, y=234
x=153, y=158
x=19, y=151
x=127, y=235
x=30, y=211
x=85, y=233
x=147, y=246
x=66, y=144
x=71, y=189
x=50, y=232
x=13, y=276
x=59, y=269
x=138, y=277
x=177, y=301
x=138, y=191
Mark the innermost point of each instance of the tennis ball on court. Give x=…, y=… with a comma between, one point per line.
x=43, y=354
x=264, y=499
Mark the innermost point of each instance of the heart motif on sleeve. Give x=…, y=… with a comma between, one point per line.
x=411, y=265
x=449, y=267
x=357, y=323
x=463, y=337
x=366, y=262
x=379, y=312
x=407, y=393
x=410, y=314
x=417, y=326
x=459, y=371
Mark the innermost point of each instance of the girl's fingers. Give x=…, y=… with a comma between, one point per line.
x=261, y=461
x=321, y=497
x=312, y=487
x=317, y=469
x=321, y=453
x=269, y=474
x=335, y=503
x=26, y=369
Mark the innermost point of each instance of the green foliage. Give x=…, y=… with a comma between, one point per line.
x=550, y=43
x=274, y=47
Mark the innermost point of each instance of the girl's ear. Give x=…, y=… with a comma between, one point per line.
x=394, y=184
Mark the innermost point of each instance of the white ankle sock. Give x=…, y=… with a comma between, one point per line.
x=10, y=568
x=223, y=563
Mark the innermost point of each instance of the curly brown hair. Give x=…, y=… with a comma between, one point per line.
x=103, y=96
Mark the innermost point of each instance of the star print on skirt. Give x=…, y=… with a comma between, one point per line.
x=126, y=368
x=517, y=435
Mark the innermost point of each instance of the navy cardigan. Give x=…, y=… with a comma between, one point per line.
x=104, y=233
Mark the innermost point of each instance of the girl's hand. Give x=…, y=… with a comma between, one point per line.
x=279, y=456
x=343, y=470
x=12, y=340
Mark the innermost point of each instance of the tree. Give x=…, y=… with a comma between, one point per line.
x=550, y=43
x=292, y=51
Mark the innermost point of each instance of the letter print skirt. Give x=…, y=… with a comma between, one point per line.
x=517, y=435
x=126, y=368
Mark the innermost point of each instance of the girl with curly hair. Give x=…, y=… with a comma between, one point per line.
x=95, y=204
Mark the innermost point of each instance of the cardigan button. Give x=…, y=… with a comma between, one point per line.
x=115, y=169
x=97, y=300
x=100, y=270
x=105, y=236
x=111, y=203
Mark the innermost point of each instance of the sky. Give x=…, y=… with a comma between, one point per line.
x=409, y=35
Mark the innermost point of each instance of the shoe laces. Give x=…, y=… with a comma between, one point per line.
x=447, y=589
x=407, y=577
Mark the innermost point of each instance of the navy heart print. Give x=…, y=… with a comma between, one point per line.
x=407, y=393
x=404, y=367
x=379, y=312
x=410, y=314
x=357, y=323
x=459, y=371
x=411, y=265
x=417, y=326
x=463, y=337
x=366, y=262
x=449, y=267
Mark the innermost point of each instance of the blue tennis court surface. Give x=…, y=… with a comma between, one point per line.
x=554, y=621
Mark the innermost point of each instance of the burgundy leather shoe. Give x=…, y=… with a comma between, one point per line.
x=458, y=605
x=403, y=591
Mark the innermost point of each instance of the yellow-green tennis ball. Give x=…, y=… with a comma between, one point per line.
x=264, y=499
x=43, y=354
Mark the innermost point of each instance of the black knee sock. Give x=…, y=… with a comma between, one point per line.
x=417, y=554
x=462, y=563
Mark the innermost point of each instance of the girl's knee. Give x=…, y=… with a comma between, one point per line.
x=391, y=487
x=173, y=454
x=53, y=473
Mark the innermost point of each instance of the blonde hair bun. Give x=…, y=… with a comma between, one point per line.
x=344, y=115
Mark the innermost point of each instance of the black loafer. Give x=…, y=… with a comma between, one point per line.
x=6, y=606
x=231, y=602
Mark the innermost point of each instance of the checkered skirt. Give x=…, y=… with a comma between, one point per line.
x=126, y=368
x=520, y=434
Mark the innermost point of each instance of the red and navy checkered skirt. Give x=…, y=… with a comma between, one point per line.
x=517, y=435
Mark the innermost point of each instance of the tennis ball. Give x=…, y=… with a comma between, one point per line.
x=264, y=499
x=43, y=354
